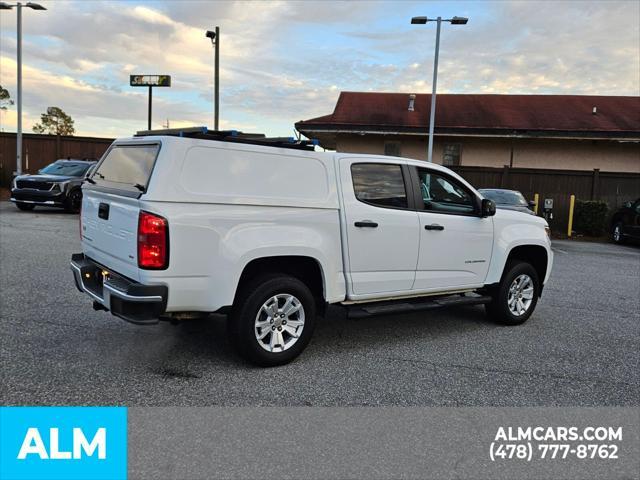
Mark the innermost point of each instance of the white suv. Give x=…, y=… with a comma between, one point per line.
x=183, y=224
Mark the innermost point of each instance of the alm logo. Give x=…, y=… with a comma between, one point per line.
x=33, y=445
x=70, y=443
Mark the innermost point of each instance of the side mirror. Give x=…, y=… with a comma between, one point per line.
x=532, y=204
x=488, y=208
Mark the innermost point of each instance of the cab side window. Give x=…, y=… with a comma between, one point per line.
x=379, y=184
x=443, y=194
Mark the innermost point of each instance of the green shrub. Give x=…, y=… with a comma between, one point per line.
x=590, y=217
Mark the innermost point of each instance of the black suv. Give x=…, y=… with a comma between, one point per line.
x=56, y=185
x=625, y=223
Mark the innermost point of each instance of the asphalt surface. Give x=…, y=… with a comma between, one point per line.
x=580, y=348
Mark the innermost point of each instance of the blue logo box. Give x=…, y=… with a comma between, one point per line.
x=63, y=443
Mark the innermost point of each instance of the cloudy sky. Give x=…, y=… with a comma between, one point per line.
x=286, y=61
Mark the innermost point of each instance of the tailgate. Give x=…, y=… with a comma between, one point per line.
x=110, y=205
x=109, y=231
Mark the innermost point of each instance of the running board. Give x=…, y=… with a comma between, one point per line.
x=389, y=308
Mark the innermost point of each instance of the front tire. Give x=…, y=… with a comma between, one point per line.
x=74, y=201
x=272, y=320
x=26, y=207
x=516, y=297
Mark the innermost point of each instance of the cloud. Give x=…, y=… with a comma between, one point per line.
x=286, y=61
x=124, y=110
x=590, y=48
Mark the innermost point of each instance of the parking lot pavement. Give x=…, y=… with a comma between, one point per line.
x=580, y=348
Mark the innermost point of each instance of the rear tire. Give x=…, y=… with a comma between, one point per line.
x=616, y=233
x=515, y=299
x=272, y=320
x=25, y=206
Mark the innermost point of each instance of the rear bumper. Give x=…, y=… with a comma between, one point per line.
x=38, y=197
x=129, y=300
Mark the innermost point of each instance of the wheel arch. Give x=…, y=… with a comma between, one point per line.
x=535, y=255
x=74, y=188
x=617, y=217
x=306, y=269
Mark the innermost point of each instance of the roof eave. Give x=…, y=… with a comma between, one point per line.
x=308, y=130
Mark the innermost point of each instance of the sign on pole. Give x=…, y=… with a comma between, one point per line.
x=150, y=81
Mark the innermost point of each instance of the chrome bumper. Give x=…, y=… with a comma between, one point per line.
x=131, y=301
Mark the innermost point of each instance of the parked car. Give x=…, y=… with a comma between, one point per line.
x=508, y=199
x=174, y=227
x=56, y=185
x=625, y=223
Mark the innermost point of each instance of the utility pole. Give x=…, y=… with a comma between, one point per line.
x=8, y=6
x=217, y=79
x=215, y=41
x=149, y=113
x=19, y=107
x=432, y=115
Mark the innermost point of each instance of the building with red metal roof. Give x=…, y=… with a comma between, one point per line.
x=575, y=132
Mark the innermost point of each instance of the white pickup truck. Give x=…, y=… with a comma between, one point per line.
x=177, y=225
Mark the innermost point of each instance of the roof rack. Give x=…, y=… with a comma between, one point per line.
x=232, y=136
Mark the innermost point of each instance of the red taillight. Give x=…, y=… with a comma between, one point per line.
x=153, y=242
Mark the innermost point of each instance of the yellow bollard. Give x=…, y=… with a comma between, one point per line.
x=572, y=202
x=535, y=199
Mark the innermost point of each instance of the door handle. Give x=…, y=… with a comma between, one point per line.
x=366, y=223
x=433, y=226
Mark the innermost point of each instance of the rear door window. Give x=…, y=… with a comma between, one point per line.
x=127, y=167
x=379, y=184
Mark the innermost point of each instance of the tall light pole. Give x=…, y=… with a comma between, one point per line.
x=215, y=41
x=432, y=116
x=8, y=6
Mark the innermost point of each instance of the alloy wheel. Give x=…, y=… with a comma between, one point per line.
x=279, y=323
x=520, y=295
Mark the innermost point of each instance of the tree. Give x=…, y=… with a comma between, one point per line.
x=5, y=98
x=55, y=122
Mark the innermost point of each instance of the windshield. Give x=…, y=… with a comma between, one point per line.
x=504, y=197
x=66, y=169
x=127, y=165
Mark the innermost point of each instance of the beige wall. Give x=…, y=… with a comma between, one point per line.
x=527, y=153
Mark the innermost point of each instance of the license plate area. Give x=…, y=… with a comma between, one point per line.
x=93, y=279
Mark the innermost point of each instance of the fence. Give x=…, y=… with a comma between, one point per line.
x=40, y=150
x=615, y=188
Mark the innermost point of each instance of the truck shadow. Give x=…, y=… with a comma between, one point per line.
x=194, y=344
x=339, y=333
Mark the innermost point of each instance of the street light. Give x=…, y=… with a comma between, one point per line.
x=215, y=41
x=8, y=6
x=432, y=116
